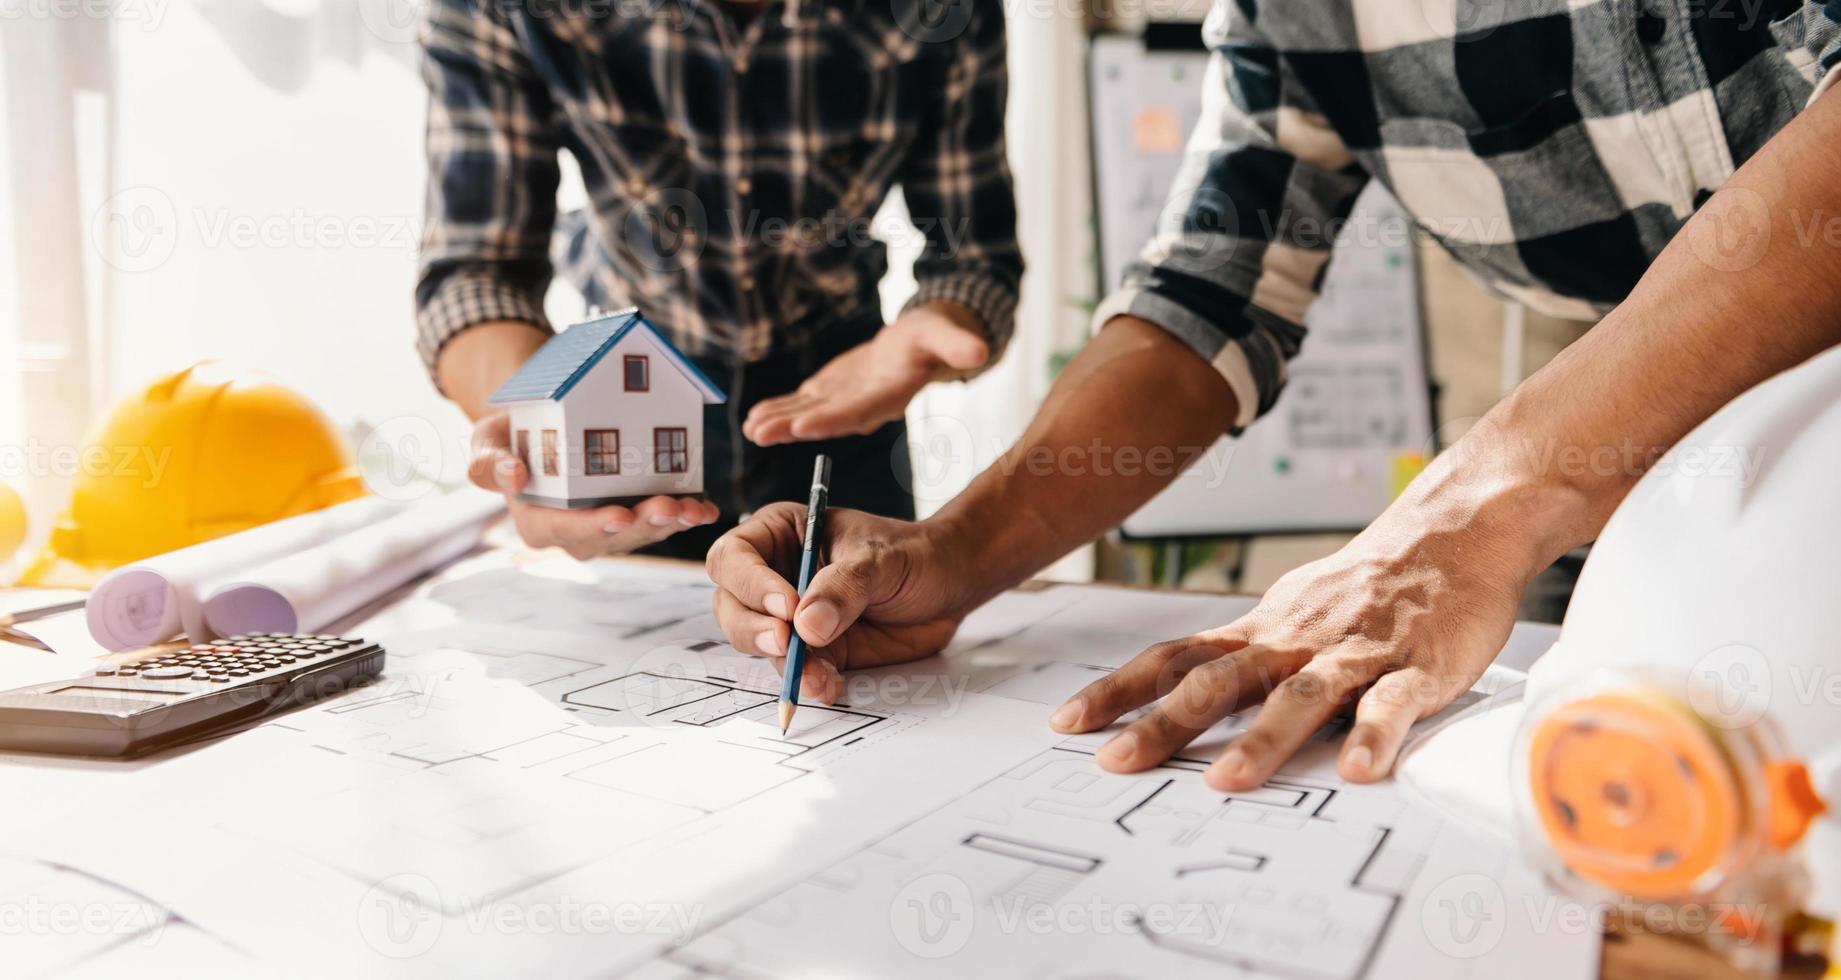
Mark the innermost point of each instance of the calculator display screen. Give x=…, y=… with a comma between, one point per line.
x=119, y=694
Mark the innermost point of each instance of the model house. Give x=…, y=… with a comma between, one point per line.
x=609, y=411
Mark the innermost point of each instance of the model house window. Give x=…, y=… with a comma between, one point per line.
x=549, y=452
x=672, y=449
x=524, y=450
x=638, y=372
x=603, y=451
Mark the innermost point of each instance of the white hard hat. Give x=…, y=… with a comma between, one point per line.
x=1709, y=612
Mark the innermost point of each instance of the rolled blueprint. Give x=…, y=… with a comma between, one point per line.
x=309, y=590
x=154, y=600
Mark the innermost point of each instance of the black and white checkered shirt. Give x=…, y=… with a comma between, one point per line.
x=1552, y=146
x=733, y=164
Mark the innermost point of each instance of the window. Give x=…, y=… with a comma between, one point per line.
x=524, y=450
x=671, y=449
x=602, y=451
x=549, y=452
x=638, y=372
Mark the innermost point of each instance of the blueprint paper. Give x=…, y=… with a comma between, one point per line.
x=565, y=771
x=154, y=600
x=306, y=590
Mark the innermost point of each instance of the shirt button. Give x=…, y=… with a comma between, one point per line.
x=744, y=186
x=636, y=186
x=747, y=283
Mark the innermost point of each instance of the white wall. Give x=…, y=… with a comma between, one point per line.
x=268, y=159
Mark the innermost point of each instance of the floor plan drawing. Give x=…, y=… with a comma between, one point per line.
x=551, y=755
x=1155, y=872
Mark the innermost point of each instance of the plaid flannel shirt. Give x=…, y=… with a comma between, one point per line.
x=1552, y=146
x=733, y=166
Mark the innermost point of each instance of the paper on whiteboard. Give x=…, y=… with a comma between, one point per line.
x=307, y=591
x=154, y=600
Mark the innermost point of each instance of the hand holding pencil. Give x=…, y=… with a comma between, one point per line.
x=879, y=591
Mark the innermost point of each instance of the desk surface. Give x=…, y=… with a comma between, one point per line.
x=1622, y=955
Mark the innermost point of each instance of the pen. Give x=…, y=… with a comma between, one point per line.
x=808, y=567
x=8, y=620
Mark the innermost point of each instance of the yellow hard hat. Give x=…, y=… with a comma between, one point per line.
x=196, y=455
x=12, y=521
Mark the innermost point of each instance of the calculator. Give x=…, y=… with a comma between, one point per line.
x=149, y=699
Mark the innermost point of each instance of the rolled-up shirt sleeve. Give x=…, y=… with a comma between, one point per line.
x=492, y=177
x=959, y=189
x=1246, y=235
x=1822, y=19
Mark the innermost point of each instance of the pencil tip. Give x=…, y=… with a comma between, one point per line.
x=786, y=716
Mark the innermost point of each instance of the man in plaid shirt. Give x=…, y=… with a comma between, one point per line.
x=734, y=155
x=1671, y=164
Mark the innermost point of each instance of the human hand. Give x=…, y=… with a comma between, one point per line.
x=872, y=383
x=1398, y=623
x=583, y=534
x=888, y=595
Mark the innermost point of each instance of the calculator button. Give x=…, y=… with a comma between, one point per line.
x=167, y=673
x=217, y=678
x=105, y=671
x=239, y=672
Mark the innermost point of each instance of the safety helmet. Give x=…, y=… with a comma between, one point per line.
x=12, y=522
x=195, y=455
x=1681, y=741
x=1708, y=622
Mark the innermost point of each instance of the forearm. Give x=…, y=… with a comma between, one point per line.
x=1125, y=418
x=1716, y=314
x=479, y=359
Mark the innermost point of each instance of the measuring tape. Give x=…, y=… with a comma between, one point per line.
x=1628, y=795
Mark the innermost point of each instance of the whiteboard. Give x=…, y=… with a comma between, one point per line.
x=1356, y=418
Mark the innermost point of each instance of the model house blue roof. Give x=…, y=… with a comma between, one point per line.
x=568, y=357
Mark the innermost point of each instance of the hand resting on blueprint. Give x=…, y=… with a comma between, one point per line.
x=1391, y=628
x=583, y=534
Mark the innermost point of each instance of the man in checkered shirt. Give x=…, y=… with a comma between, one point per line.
x=1669, y=164
x=734, y=155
